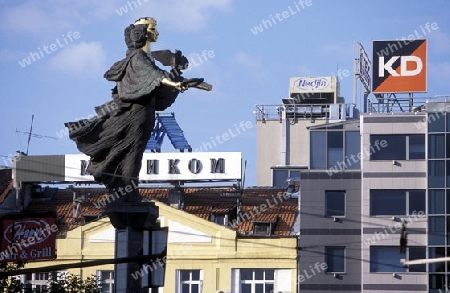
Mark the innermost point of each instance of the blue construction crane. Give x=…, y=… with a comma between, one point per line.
x=167, y=125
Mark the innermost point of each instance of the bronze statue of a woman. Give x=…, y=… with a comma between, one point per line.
x=116, y=140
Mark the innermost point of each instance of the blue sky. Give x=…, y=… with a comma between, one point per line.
x=84, y=38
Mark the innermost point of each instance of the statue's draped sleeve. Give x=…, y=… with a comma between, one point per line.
x=136, y=76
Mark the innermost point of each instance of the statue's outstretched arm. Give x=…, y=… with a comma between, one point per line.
x=188, y=83
x=180, y=85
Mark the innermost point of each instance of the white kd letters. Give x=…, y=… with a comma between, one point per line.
x=382, y=66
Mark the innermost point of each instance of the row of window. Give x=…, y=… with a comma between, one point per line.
x=188, y=281
x=338, y=148
x=37, y=282
x=384, y=259
x=385, y=202
x=342, y=149
x=247, y=280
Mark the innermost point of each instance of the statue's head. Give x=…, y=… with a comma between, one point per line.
x=143, y=30
x=152, y=31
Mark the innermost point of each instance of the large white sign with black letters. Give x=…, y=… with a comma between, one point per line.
x=169, y=166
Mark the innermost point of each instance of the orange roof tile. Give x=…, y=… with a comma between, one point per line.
x=257, y=204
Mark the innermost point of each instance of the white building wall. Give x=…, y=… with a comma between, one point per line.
x=404, y=174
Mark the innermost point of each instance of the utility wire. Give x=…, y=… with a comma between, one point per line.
x=91, y=263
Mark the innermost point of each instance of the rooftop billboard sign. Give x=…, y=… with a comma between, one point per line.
x=312, y=84
x=364, y=68
x=399, y=66
x=169, y=166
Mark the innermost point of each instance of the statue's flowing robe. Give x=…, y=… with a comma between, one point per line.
x=116, y=139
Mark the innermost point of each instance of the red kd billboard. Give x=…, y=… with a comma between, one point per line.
x=399, y=66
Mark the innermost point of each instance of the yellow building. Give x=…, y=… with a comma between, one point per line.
x=215, y=243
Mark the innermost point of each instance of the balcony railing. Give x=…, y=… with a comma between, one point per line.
x=303, y=111
x=391, y=103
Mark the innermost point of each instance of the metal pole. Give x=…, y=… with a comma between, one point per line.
x=284, y=139
x=406, y=263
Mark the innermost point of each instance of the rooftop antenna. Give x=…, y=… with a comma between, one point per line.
x=31, y=134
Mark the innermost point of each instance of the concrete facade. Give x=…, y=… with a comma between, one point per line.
x=281, y=139
x=404, y=178
x=318, y=231
x=390, y=175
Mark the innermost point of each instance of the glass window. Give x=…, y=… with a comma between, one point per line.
x=416, y=201
x=257, y=280
x=335, y=148
x=394, y=147
x=385, y=202
x=218, y=219
x=261, y=229
x=335, y=259
x=334, y=203
x=416, y=147
x=385, y=259
x=42, y=276
x=448, y=122
x=352, y=149
x=447, y=153
x=318, y=147
x=448, y=172
x=437, y=282
x=448, y=202
x=106, y=281
x=436, y=146
x=435, y=252
x=190, y=281
x=392, y=202
x=417, y=252
x=295, y=174
x=436, y=201
x=436, y=173
x=327, y=149
x=38, y=282
x=436, y=122
x=279, y=177
x=436, y=230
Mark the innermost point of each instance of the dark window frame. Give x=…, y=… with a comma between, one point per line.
x=389, y=153
x=396, y=267
x=319, y=158
x=328, y=211
x=330, y=269
x=290, y=173
x=410, y=193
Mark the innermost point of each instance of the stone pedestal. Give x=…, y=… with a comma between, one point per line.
x=130, y=220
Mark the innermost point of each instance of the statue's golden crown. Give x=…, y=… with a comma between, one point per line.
x=146, y=20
